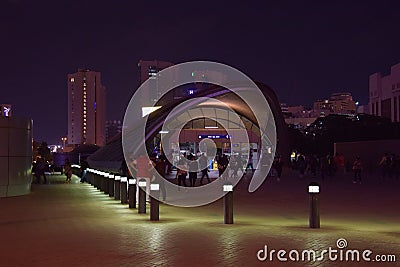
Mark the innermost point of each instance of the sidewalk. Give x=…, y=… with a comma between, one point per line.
x=74, y=224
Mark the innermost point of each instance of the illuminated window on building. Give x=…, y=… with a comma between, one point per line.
x=72, y=80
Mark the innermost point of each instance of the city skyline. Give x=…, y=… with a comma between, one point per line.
x=304, y=52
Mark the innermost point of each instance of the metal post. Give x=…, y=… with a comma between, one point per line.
x=132, y=193
x=117, y=187
x=313, y=191
x=154, y=203
x=142, y=196
x=124, y=193
x=106, y=177
x=228, y=204
x=111, y=185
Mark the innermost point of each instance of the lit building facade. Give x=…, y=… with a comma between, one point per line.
x=86, y=108
x=338, y=103
x=384, y=94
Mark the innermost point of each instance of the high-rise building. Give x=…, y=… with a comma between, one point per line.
x=86, y=108
x=384, y=94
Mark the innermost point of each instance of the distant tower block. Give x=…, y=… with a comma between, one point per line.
x=86, y=108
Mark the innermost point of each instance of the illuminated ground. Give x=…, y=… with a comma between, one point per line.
x=75, y=225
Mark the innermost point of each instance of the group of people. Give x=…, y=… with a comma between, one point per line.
x=188, y=164
x=324, y=165
x=329, y=165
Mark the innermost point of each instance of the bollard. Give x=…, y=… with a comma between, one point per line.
x=132, y=193
x=313, y=191
x=228, y=203
x=142, y=197
x=124, y=193
x=117, y=187
x=154, y=203
x=96, y=179
x=102, y=181
x=106, y=177
x=111, y=185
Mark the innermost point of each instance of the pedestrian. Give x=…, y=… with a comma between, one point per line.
x=385, y=164
x=222, y=164
x=67, y=170
x=84, y=166
x=250, y=162
x=278, y=167
x=301, y=164
x=203, y=162
x=357, y=168
x=193, y=168
x=181, y=171
x=323, y=166
x=40, y=168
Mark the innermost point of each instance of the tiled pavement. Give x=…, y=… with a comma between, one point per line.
x=74, y=224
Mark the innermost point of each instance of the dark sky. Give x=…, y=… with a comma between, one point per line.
x=304, y=50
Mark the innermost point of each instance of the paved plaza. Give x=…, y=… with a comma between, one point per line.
x=61, y=224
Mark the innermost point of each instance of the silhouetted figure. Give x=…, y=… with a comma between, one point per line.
x=222, y=164
x=68, y=170
x=301, y=164
x=181, y=171
x=278, y=167
x=84, y=166
x=250, y=162
x=385, y=166
x=357, y=168
x=203, y=161
x=193, y=167
x=40, y=168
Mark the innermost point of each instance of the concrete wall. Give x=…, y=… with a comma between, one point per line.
x=15, y=156
x=370, y=152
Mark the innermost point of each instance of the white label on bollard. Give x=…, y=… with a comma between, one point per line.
x=154, y=187
x=313, y=189
x=132, y=181
x=227, y=188
x=117, y=178
x=124, y=179
x=142, y=183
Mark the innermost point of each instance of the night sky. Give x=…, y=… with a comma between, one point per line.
x=303, y=50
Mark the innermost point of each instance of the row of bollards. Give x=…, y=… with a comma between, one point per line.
x=125, y=190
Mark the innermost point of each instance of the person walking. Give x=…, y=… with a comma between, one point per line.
x=68, y=170
x=357, y=168
x=278, y=167
x=181, y=171
x=204, y=168
x=250, y=163
x=84, y=166
x=193, y=167
x=385, y=166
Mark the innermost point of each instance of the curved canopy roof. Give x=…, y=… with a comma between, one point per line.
x=110, y=157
